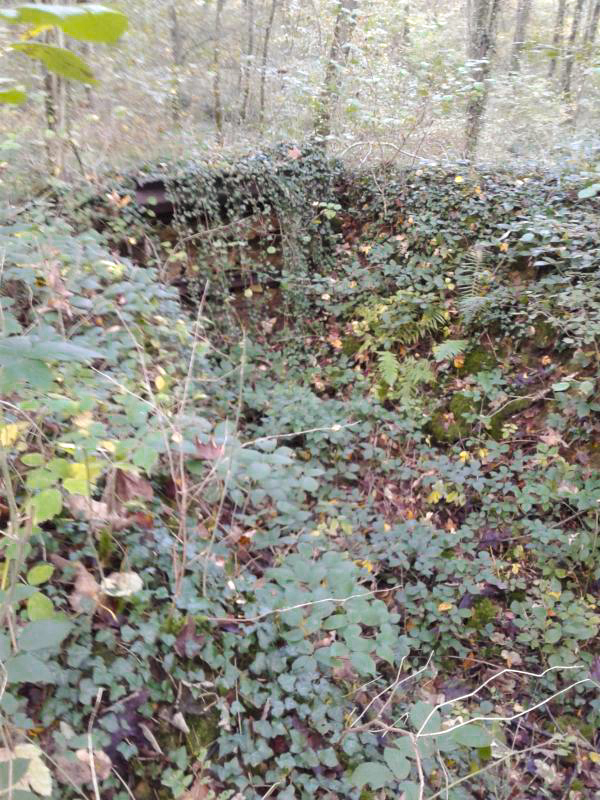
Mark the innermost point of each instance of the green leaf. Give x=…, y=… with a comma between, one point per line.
x=43, y=634
x=26, y=668
x=47, y=504
x=258, y=470
x=19, y=770
x=373, y=773
x=553, y=634
x=15, y=348
x=472, y=735
x=39, y=574
x=88, y=22
x=57, y=59
x=589, y=191
x=10, y=94
x=419, y=712
x=397, y=762
x=40, y=607
x=363, y=663
x=33, y=459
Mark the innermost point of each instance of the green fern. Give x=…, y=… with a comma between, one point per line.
x=449, y=349
x=474, y=283
x=389, y=367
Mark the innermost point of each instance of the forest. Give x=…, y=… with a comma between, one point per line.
x=300, y=400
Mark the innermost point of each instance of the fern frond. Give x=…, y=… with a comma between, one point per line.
x=449, y=349
x=389, y=367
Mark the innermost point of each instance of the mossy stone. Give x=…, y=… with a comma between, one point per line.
x=478, y=360
x=351, y=345
x=450, y=429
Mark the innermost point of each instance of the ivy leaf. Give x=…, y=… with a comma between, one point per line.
x=26, y=668
x=373, y=773
x=40, y=607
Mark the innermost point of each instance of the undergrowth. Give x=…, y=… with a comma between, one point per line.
x=300, y=492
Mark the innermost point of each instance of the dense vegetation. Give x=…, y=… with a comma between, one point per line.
x=301, y=490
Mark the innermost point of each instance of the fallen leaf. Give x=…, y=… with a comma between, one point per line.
x=86, y=594
x=129, y=486
x=37, y=778
x=96, y=512
x=294, y=153
x=199, y=790
x=122, y=584
x=445, y=607
x=210, y=451
x=102, y=763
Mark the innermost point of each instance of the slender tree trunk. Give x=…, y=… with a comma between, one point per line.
x=522, y=20
x=482, y=46
x=567, y=77
x=405, y=38
x=263, y=65
x=177, y=63
x=557, y=36
x=345, y=22
x=217, y=102
x=248, y=61
x=591, y=30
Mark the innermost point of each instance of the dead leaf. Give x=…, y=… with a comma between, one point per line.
x=199, y=790
x=129, y=486
x=102, y=763
x=122, y=584
x=86, y=595
x=551, y=438
x=96, y=512
x=209, y=450
x=294, y=153
x=37, y=777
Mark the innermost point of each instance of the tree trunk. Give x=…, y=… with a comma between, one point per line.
x=557, y=37
x=345, y=22
x=591, y=30
x=567, y=77
x=217, y=102
x=263, y=65
x=176, y=64
x=523, y=14
x=248, y=61
x=482, y=45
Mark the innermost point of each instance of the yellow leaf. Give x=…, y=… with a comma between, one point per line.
x=10, y=433
x=504, y=247
x=88, y=471
x=445, y=606
x=108, y=445
x=459, y=362
x=84, y=420
x=516, y=568
x=248, y=292
x=387, y=527
x=434, y=497
x=595, y=758
x=483, y=453
x=160, y=383
x=464, y=456
x=556, y=595
x=459, y=179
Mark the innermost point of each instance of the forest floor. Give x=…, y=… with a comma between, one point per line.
x=303, y=501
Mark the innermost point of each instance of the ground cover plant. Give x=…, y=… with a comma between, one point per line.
x=299, y=485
